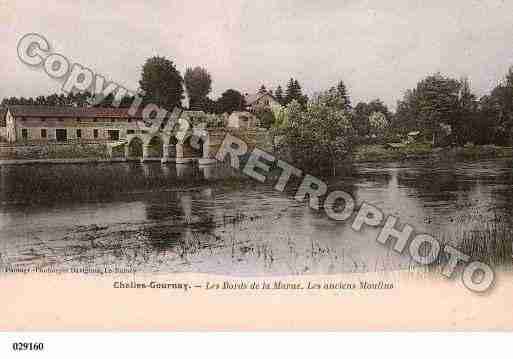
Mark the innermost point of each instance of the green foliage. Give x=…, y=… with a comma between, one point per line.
x=294, y=93
x=198, y=84
x=424, y=150
x=278, y=94
x=439, y=101
x=78, y=99
x=319, y=137
x=281, y=117
x=343, y=100
x=231, y=100
x=433, y=103
x=362, y=114
x=161, y=83
x=266, y=117
x=378, y=123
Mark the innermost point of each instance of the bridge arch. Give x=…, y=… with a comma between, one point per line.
x=155, y=147
x=135, y=148
x=193, y=146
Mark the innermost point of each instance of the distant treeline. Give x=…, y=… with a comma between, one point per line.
x=438, y=104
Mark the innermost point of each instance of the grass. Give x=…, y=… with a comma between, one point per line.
x=374, y=153
x=489, y=242
x=371, y=153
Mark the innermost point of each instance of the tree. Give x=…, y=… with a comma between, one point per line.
x=294, y=92
x=231, y=100
x=198, y=84
x=337, y=97
x=279, y=94
x=465, y=126
x=344, y=96
x=78, y=99
x=161, y=83
x=406, y=117
x=110, y=101
x=318, y=137
x=378, y=124
x=431, y=106
x=499, y=105
x=262, y=90
x=266, y=116
x=361, y=117
x=438, y=99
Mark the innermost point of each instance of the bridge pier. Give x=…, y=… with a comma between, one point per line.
x=146, y=150
x=127, y=151
x=165, y=153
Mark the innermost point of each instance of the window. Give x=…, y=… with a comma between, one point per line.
x=114, y=135
x=79, y=133
x=24, y=133
x=130, y=132
x=129, y=120
x=95, y=133
x=61, y=135
x=43, y=133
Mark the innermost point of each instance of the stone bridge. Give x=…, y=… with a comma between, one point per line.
x=201, y=145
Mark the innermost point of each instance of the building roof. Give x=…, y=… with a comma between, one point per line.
x=251, y=98
x=69, y=111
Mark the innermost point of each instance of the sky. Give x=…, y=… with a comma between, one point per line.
x=378, y=48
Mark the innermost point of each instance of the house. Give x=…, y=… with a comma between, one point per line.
x=259, y=101
x=242, y=120
x=40, y=124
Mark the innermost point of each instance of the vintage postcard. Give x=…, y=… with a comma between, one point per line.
x=256, y=165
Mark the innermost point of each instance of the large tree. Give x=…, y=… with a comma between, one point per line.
x=499, y=108
x=161, y=83
x=294, y=92
x=431, y=106
x=465, y=126
x=231, y=100
x=198, y=84
x=344, y=96
x=319, y=137
x=438, y=99
x=370, y=118
x=279, y=94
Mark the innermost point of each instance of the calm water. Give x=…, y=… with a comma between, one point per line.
x=140, y=216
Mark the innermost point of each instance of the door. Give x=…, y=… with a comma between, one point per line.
x=61, y=135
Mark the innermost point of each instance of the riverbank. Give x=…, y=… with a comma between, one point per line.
x=423, y=151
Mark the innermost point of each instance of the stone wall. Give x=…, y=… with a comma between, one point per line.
x=54, y=151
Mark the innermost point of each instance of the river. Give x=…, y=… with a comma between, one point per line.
x=180, y=218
